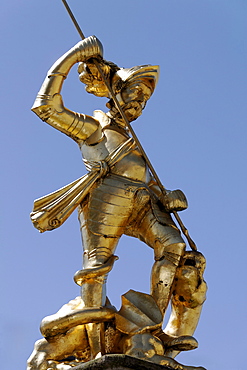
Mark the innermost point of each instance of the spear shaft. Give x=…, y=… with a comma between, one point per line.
x=140, y=147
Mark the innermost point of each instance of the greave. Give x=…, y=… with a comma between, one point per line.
x=162, y=277
x=93, y=292
x=164, y=271
x=189, y=294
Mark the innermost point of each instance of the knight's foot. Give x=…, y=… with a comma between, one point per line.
x=182, y=343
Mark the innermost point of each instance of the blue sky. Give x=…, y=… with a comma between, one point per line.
x=193, y=129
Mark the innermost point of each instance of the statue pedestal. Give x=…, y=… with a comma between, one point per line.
x=119, y=362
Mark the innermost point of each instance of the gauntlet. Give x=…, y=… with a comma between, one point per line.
x=88, y=48
x=174, y=200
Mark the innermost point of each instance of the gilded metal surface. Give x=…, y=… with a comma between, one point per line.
x=188, y=296
x=118, y=196
x=134, y=331
x=139, y=313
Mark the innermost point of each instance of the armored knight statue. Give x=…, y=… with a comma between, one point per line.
x=117, y=196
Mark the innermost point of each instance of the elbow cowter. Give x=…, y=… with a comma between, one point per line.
x=51, y=110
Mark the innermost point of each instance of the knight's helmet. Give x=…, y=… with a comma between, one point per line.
x=146, y=74
x=132, y=86
x=134, y=77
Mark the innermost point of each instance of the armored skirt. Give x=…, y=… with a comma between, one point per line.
x=117, y=205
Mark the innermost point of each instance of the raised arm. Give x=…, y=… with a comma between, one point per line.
x=49, y=104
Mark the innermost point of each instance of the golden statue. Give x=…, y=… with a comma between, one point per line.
x=117, y=196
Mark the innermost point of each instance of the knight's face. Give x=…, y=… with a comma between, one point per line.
x=134, y=92
x=133, y=99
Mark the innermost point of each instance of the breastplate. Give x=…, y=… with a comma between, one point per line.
x=132, y=165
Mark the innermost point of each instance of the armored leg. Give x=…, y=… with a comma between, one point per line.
x=189, y=294
x=157, y=229
x=92, y=280
x=163, y=274
x=103, y=218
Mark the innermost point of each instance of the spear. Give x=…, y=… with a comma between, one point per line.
x=140, y=147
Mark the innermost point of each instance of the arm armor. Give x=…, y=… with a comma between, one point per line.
x=49, y=104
